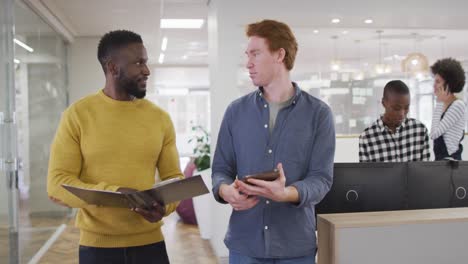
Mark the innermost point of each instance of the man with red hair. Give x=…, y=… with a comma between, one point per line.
x=280, y=127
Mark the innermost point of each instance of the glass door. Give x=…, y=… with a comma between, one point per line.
x=9, y=199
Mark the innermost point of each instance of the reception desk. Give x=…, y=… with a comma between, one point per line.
x=414, y=237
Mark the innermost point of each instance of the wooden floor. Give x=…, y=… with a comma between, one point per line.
x=34, y=231
x=183, y=243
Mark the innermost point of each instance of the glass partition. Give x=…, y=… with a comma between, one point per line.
x=34, y=90
x=9, y=232
x=348, y=68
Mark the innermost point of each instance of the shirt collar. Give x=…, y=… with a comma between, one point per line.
x=297, y=93
x=383, y=127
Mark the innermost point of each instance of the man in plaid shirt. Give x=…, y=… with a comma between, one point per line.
x=394, y=137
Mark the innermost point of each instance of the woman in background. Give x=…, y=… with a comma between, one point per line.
x=448, y=119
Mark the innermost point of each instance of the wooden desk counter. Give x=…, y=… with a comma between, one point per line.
x=413, y=236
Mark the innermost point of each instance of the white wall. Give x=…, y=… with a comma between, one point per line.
x=347, y=149
x=85, y=72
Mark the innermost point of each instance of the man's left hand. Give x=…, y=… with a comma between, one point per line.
x=153, y=214
x=274, y=190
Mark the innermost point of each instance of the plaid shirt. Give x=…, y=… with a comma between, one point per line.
x=410, y=142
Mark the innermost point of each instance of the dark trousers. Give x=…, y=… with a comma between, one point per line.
x=148, y=254
x=440, y=150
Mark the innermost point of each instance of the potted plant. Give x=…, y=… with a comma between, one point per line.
x=201, y=150
x=200, y=161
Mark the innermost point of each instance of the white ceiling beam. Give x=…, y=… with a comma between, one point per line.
x=53, y=17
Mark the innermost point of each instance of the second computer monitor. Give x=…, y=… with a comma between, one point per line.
x=459, y=180
x=437, y=184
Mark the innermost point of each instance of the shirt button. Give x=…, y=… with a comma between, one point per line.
x=265, y=105
x=270, y=151
x=266, y=227
x=267, y=202
x=266, y=126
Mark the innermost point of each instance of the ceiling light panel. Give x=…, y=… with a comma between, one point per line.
x=182, y=23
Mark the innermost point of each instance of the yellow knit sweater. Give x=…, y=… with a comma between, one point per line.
x=105, y=144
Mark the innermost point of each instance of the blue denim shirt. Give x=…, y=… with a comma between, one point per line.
x=303, y=139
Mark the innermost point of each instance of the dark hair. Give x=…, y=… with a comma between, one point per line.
x=277, y=35
x=452, y=72
x=395, y=87
x=114, y=40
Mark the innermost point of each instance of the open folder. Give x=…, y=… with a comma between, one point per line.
x=165, y=192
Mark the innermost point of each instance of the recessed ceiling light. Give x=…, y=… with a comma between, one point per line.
x=161, y=58
x=316, y=31
x=345, y=32
x=164, y=44
x=182, y=23
x=335, y=67
x=17, y=61
x=23, y=45
x=368, y=21
x=184, y=57
x=335, y=20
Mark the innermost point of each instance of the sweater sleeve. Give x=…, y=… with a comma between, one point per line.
x=168, y=162
x=65, y=163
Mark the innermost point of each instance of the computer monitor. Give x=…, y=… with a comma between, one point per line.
x=429, y=184
x=364, y=187
x=459, y=183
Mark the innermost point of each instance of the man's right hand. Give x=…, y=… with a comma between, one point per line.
x=237, y=200
x=153, y=214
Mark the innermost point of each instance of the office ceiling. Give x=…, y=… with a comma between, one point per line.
x=436, y=28
x=94, y=18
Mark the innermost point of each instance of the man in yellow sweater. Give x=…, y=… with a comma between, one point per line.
x=115, y=140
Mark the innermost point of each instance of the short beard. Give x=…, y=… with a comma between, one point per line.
x=130, y=87
x=133, y=90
